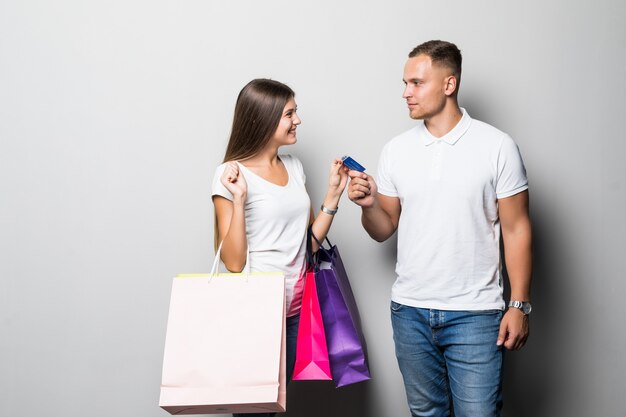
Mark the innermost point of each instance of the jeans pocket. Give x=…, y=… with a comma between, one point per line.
x=395, y=307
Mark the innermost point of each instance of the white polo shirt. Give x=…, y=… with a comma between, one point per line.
x=449, y=230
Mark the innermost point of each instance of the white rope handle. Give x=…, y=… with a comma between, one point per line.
x=216, y=262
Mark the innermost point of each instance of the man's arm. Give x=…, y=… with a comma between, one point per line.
x=380, y=213
x=517, y=238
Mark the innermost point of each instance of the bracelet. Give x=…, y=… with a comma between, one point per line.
x=329, y=211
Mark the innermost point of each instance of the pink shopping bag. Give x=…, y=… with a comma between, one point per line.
x=225, y=345
x=311, y=350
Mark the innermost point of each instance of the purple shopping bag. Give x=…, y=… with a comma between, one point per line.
x=346, y=344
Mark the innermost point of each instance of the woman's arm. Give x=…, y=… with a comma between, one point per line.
x=320, y=225
x=231, y=223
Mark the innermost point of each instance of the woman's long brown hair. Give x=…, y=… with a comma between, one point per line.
x=258, y=110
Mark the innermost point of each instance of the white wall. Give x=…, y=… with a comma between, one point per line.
x=114, y=114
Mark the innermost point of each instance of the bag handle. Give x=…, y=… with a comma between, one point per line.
x=317, y=241
x=216, y=262
x=310, y=261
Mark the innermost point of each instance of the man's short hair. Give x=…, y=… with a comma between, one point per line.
x=441, y=53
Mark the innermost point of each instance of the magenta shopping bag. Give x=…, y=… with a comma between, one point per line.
x=311, y=350
x=346, y=344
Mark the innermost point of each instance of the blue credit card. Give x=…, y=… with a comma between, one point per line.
x=352, y=164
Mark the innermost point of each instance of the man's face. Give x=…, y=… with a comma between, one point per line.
x=425, y=92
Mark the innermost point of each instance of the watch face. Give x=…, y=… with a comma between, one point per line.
x=526, y=307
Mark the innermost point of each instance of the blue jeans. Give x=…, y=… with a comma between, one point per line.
x=449, y=357
x=292, y=337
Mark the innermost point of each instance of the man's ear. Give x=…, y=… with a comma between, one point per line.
x=450, y=86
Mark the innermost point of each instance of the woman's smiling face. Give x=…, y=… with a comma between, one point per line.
x=285, y=133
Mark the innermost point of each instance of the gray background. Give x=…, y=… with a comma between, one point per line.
x=113, y=116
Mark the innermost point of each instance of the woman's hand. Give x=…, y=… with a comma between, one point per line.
x=338, y=178
x=232, y=178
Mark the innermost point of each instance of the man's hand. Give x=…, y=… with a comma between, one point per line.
x=513, y=330
x=362, y=189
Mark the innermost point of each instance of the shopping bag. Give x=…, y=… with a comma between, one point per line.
x=346, y=344
x=311, y=351
x=225, y=344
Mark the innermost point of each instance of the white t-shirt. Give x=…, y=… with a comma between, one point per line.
x=449, y=230
x=277, y=218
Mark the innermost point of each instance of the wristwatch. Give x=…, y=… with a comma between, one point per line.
x=524, y=306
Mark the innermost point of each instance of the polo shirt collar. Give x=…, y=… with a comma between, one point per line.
x=452, y=136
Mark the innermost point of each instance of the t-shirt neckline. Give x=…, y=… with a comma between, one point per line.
x=266, y=180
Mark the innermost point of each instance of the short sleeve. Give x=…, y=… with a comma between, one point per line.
x=299, y=168
x=511, y=171
x=217, y=188
x=294, y=165
x=384, y=180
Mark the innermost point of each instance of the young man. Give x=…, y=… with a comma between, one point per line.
x=450, y=187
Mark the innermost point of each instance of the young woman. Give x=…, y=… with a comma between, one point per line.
x=261, y=203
